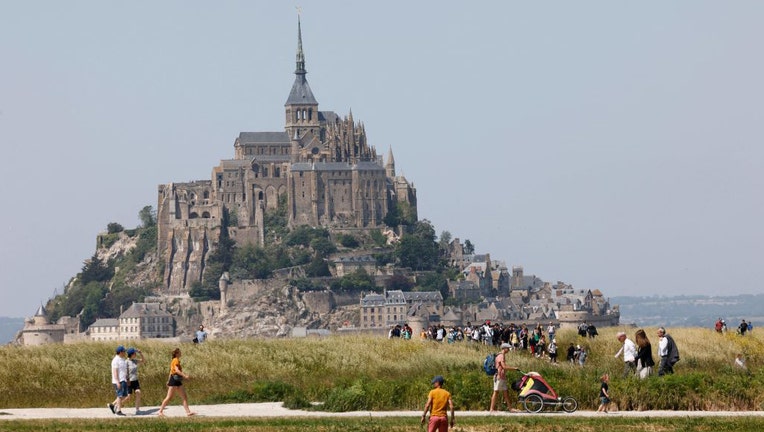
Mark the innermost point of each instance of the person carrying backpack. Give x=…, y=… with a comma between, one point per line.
x=500, y=378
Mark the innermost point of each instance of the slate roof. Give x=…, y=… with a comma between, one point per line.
x=301, y=93
x=263, y=138
x=137, y=310
x=105, y=322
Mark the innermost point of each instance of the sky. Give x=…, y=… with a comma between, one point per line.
x=610, y=145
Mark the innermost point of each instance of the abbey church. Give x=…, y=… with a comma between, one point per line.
x=321, y=164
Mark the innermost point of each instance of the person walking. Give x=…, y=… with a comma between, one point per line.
x=742, y=328
x=645, y=361
x=118, y=380
x=604, y=394
x=500, y=378
x=668, y=352
x=438, y=401
x=175, y=384
x=201, y=335
x=133, y=385
x=552, y=349
x=629, y=350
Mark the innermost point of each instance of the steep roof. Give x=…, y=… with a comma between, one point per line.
x=301, y=93
x=263, y=138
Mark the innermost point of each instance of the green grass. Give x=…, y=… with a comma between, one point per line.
x=373, y=373
x=399, y=424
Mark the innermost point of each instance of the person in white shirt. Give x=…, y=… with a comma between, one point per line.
x=119, y=380
x=629, y=350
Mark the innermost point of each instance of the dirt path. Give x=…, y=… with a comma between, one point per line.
x=274, y=409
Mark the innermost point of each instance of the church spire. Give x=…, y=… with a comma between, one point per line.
x=301, y=93
x=300, y=70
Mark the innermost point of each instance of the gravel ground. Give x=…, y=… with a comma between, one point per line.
x=274, y=409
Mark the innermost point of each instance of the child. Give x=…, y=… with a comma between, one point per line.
x=604, y=395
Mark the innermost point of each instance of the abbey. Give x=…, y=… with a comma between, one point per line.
x=321, y=164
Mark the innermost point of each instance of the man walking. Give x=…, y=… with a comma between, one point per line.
x=668, y=353
x=629, y=350
x=119, y=380
x=500, y=379
x=437, y=401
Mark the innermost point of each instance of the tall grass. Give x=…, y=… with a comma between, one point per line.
x=370, y=373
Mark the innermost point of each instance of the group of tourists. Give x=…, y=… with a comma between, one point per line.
x=638, y=357
x=124, y=378
x=744, y=327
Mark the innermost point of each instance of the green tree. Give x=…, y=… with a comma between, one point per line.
x=358, y=280
x=95, y=270
x=399, y=282
x=418, y=249
x=318, y=267
x=433, y=281
x=148, y=216
x=251, y=262
x=322, y=246
x=114, y=227
x=469, y=248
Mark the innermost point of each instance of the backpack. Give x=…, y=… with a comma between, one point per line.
x=489, y=364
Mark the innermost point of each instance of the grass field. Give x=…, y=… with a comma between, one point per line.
x=366, y=373
x=398, y=424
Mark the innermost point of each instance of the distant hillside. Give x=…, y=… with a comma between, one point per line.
x=9, y=327
x=691, y=311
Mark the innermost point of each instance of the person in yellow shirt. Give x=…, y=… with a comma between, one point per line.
x=437, y=401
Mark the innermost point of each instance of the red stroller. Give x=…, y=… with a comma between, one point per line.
x=536, y=393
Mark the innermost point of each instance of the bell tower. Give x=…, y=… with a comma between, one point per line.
x=301, y=106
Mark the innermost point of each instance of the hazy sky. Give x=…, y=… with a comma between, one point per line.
x=610, y=145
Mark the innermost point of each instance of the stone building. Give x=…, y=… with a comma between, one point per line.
x=139, y=321
x=38, y=330
x=400, y=307
x=321, y=165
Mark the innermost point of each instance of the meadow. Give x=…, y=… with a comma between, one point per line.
x=372, y=373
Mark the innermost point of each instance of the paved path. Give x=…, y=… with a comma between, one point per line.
x=274, y=409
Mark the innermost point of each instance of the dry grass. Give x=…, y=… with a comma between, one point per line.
x=381, y=373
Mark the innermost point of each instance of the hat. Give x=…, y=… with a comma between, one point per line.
x=620, y=334
x=506, y=345
x=130, y=351
x=120, y=349
x=437, y=379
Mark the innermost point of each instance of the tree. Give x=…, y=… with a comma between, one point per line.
x=251, y=262
x=469, y=248
x=445, y=240
x=148, y=216
x=318, y=267
x=418, y=250
x=95, y=270
x=359, y=280
x=399, y=282
x=114, y=227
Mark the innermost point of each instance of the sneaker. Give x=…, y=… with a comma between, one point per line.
x=119, y=413
x=111, y=407
x=137, y=412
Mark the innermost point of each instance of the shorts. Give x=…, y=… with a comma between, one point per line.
x=133, y=386
x=499, y=384
x=604, y=400
x=120, y=389
x=173, y=382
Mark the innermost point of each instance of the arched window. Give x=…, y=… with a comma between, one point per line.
x=206, y=215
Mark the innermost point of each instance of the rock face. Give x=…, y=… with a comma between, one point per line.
x=268, y=308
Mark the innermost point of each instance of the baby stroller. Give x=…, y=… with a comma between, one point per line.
x=535, y=394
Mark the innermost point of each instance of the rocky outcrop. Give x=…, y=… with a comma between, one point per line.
x=272, y=308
